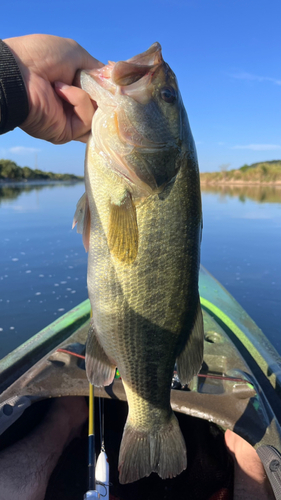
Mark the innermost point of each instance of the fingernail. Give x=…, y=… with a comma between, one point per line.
x=61, y=85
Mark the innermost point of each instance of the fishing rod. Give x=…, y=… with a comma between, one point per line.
x=98, y=473
x=92, y=493
x=102, y=466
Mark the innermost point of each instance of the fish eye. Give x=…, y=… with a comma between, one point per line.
x=168, y=94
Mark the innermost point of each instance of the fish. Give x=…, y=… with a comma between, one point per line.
x=141, y=220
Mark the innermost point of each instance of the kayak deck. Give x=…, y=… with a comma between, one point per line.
x=224, y=392
x=238, y=388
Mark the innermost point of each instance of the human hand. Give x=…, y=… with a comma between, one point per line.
x=58, y=111
x=250, y=479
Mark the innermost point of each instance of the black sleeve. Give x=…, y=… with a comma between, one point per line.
x=14, y=107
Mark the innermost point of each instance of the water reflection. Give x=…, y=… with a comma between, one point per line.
x=11, y=191
x=261, y=194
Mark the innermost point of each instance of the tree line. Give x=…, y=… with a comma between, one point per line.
x=262, y=172
x=9, y=170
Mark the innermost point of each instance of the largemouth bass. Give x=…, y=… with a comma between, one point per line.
x=141, y=222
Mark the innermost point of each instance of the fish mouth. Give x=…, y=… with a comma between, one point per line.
x=126, y=73
x=122, y=77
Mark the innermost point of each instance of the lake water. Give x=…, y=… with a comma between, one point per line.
x=43, y=263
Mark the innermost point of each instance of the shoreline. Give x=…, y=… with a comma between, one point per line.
x=240, y=183
x=37, y=182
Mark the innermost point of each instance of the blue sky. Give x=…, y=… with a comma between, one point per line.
x=225, y=53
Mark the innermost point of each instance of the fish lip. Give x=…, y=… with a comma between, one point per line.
x=145, y=58
x=117, y=77
x=125, y=73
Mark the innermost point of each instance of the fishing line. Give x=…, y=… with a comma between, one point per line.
x=72, y=353
x=203, y=375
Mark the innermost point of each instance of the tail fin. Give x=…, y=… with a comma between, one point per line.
x=142, y=452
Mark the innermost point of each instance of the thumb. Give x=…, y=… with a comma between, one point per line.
x=79, y=118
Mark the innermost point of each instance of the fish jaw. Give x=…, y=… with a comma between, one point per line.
x=153, y=55
x=115, y=78
x=99, y=88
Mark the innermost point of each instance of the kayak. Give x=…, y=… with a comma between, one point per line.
x=237, y=388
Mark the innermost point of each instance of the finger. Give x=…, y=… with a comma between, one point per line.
x=229, y=438
x=90, y=62
x=83, y=138
x=80, y=119
x=86, y=60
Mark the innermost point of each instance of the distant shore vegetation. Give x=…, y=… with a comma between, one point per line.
x=262, y=173
x=266, y=172
x=10, y=171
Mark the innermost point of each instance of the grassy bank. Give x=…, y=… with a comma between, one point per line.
x=263, y=173
x=10, y=171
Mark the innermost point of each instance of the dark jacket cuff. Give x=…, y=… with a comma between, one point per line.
x=14, y=106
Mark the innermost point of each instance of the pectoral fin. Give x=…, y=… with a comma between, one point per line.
x=190, y=359
x=83, y=220
x=123, y=230
x=100, y=371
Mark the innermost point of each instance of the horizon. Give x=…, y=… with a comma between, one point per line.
x=226, y=58
x=222, y=167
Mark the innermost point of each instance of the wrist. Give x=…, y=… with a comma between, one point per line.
x=14, y=107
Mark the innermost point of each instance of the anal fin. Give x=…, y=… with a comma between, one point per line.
x=190, y=359
x=100, y=371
